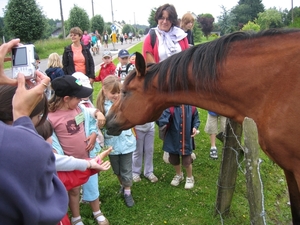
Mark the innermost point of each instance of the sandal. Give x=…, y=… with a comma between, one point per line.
x=76, y=221
x=105, y=222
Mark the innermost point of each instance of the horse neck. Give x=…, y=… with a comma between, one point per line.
x=250, y=78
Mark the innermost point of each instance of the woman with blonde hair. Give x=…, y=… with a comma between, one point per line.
x=54, y=66
x=187, y=24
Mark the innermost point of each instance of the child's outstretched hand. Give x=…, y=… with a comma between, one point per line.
x=102, y=166
x=105, y=153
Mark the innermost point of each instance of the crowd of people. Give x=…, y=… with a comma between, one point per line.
x=66, y=135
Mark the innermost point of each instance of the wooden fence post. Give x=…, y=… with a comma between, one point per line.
x=254, y=185
x=229, y=166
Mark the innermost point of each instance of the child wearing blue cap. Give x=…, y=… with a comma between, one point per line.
x=124, y=66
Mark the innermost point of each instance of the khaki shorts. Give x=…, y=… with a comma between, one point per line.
x=215, y=124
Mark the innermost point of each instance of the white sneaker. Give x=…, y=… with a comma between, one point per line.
x=177, y=179
x=189, y=183
x=152, y=178
x=136, y=178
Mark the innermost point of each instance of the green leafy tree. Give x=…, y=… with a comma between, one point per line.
x=251, y=26
x=246, y=10
x=206, y=22
x=226, y=21
x=197, y=33
x=128, y=28
x=97, y=23
x=151, y=19
x=271, y=18
x=25, y=20
x=78, y=17
x=1, y=29
x=296, y=14
x=296, y=23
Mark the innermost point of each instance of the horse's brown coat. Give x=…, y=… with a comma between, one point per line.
x=239, y=75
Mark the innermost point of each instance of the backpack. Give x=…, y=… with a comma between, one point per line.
x=124, y=71
x=152, y=37
x=163, y=130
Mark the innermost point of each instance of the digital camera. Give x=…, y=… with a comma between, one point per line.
x=23, y=61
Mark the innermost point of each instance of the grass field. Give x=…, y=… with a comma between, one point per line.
x=161, y=203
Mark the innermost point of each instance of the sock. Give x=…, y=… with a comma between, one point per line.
x=99, y=218
x=127, y=192
x=214, y=147
x=77, y=218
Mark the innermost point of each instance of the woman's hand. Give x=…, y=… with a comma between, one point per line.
x=25, y=100
x=4, y=49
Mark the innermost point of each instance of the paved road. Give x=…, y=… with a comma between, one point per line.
x=97, y=58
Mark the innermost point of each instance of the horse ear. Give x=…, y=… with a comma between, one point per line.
x=140, y=64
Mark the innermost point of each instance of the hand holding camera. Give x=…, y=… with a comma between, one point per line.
x=24, y=100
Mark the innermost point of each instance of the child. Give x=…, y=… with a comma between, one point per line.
x=95, y=113
x=54, y=66
x=144, y=150
x=123, y=145
x=211, y=128
x=186, y=24
x=77, y=140
x=182, y=125
x=107, y=67
x=70, y=173
x=124, y=66
x=132, y=58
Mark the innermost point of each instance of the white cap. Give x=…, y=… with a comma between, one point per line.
x=83, y=79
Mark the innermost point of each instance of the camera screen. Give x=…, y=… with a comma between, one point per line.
x=19, y=56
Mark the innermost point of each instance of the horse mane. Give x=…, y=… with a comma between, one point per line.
x=173, y=72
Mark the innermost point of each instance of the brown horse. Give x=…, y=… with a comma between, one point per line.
x=240, y=75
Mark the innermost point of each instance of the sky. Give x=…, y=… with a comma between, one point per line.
x=138, y=11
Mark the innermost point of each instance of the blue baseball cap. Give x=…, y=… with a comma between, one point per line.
x=123, y=53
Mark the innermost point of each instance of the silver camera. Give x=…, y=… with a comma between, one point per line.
x=23, y=61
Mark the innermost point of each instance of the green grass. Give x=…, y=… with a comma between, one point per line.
x=161, y=203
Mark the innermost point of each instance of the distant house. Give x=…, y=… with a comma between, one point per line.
x=57, y=31
x=119, y=26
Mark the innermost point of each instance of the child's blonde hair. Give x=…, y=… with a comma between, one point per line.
x=111, y=84
x=55, y=103
x=186, y=18
x=54, y=60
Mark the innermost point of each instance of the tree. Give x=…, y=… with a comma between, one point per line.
x=197, y=32
x=251, y=26
x=206, y=21
x=97, y=23
x=1, y=28
x=246, y=10
x=151, y=19
x=271, y=18
x=296, y=14
x=226, y=21
x=25, y=20
x=79, y=18
x=128, y=28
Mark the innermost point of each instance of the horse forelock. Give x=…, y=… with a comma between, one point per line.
x=206, y=60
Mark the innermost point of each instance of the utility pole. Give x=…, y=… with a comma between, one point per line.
x=292, y=12
x=112, y=12
x=92, y=8
x=62, y=20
